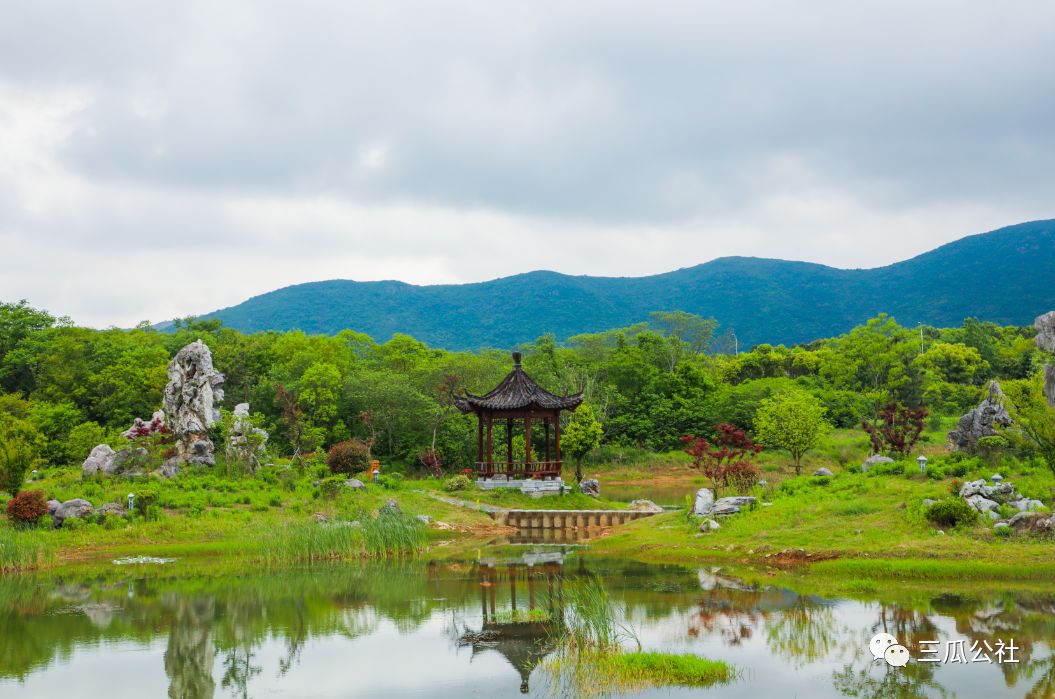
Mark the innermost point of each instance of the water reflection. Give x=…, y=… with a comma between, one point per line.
x=448, y=629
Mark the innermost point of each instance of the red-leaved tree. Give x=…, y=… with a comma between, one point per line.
x=896, y=428
x=724, y=457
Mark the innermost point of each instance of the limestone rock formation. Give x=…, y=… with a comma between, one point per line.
x=980, y=422
x=1045, y=326
x=704, y=502
x=191, y=404
x=245, y=442
x=99, y=461
x=590, y=487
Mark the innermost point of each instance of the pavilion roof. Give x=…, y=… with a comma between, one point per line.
x=517, y=391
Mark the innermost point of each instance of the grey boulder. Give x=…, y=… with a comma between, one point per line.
x=78, y=508
x=823, y=472
x=354, y=484
x=732, y=505
x=874, y=460
x=111, y=509
x=709, y=525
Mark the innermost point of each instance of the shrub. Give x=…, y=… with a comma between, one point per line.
x=741, y=477
x=145, y=499
x=330, y=487
x=1003, y=532
x=348, y=457
x=27, y=507
x=951, y=512
x=458, y=482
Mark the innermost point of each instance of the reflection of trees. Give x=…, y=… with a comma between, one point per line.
x=804, y=632
x=1045, y=686
x=906, y=625
x=733, y=614
x=238, y=670
x=189, y=655
x=875, y=681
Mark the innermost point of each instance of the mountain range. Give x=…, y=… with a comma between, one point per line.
x=1006, y=276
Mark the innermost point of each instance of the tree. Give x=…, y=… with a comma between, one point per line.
x=793, y=421
x=20, y=448
x=896, y=429
x=1032, y=426
x=581, y=436
x=723, y=458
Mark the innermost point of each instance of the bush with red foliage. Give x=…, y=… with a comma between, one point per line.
x=896, y=429
x=27, y=507
x=723, y=458
x=348, y=457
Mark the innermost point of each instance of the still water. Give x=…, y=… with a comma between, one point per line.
x=449, y=629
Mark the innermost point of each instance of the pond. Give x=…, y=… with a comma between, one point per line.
x=481, y=628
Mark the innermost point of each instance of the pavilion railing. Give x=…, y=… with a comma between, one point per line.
x=519, y=469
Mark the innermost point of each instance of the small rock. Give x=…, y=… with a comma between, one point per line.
x=927, y=502
x=941, y=533
x=644, y=506
x=590, y=486
x=704, y=502
x=391, y=507
x=320, y=518
x=767, y=504
x=424, y=519
x=823, y=472
x=441, y=525
x=355, y=484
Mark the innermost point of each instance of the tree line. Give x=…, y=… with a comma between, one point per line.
x=64, y=388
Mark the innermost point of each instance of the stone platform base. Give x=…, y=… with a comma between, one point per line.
x=534, y=488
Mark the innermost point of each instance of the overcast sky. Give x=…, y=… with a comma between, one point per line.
x=166, y=159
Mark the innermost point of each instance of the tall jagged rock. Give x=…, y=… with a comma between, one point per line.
x=1045, y=325
x=980, y=422
x=191, y=404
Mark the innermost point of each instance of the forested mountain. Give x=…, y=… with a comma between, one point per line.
x=1004, y=276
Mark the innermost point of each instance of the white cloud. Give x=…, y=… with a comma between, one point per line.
x=169, y=160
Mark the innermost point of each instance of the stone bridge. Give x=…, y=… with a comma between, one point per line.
x=566, y=519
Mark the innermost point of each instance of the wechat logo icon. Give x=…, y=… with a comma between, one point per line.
x=885, y=647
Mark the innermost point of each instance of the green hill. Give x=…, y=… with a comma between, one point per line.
x=1004, y=276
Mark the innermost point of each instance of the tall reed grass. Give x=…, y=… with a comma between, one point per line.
x=389, y=534
x=23, y=549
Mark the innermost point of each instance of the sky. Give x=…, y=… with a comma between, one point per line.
x=165, y=159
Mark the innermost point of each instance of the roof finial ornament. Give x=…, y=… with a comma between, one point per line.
x=516, y=359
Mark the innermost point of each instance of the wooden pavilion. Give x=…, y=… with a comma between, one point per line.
x=518, y=398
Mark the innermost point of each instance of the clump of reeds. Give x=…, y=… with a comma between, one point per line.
x=388, y=534
x=23, y=549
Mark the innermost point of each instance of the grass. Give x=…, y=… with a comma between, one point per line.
x=22, y=550
x=639, y=670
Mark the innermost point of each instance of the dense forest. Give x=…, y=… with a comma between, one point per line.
x=67, y=388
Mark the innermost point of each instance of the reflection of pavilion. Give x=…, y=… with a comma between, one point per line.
x=524, y=633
